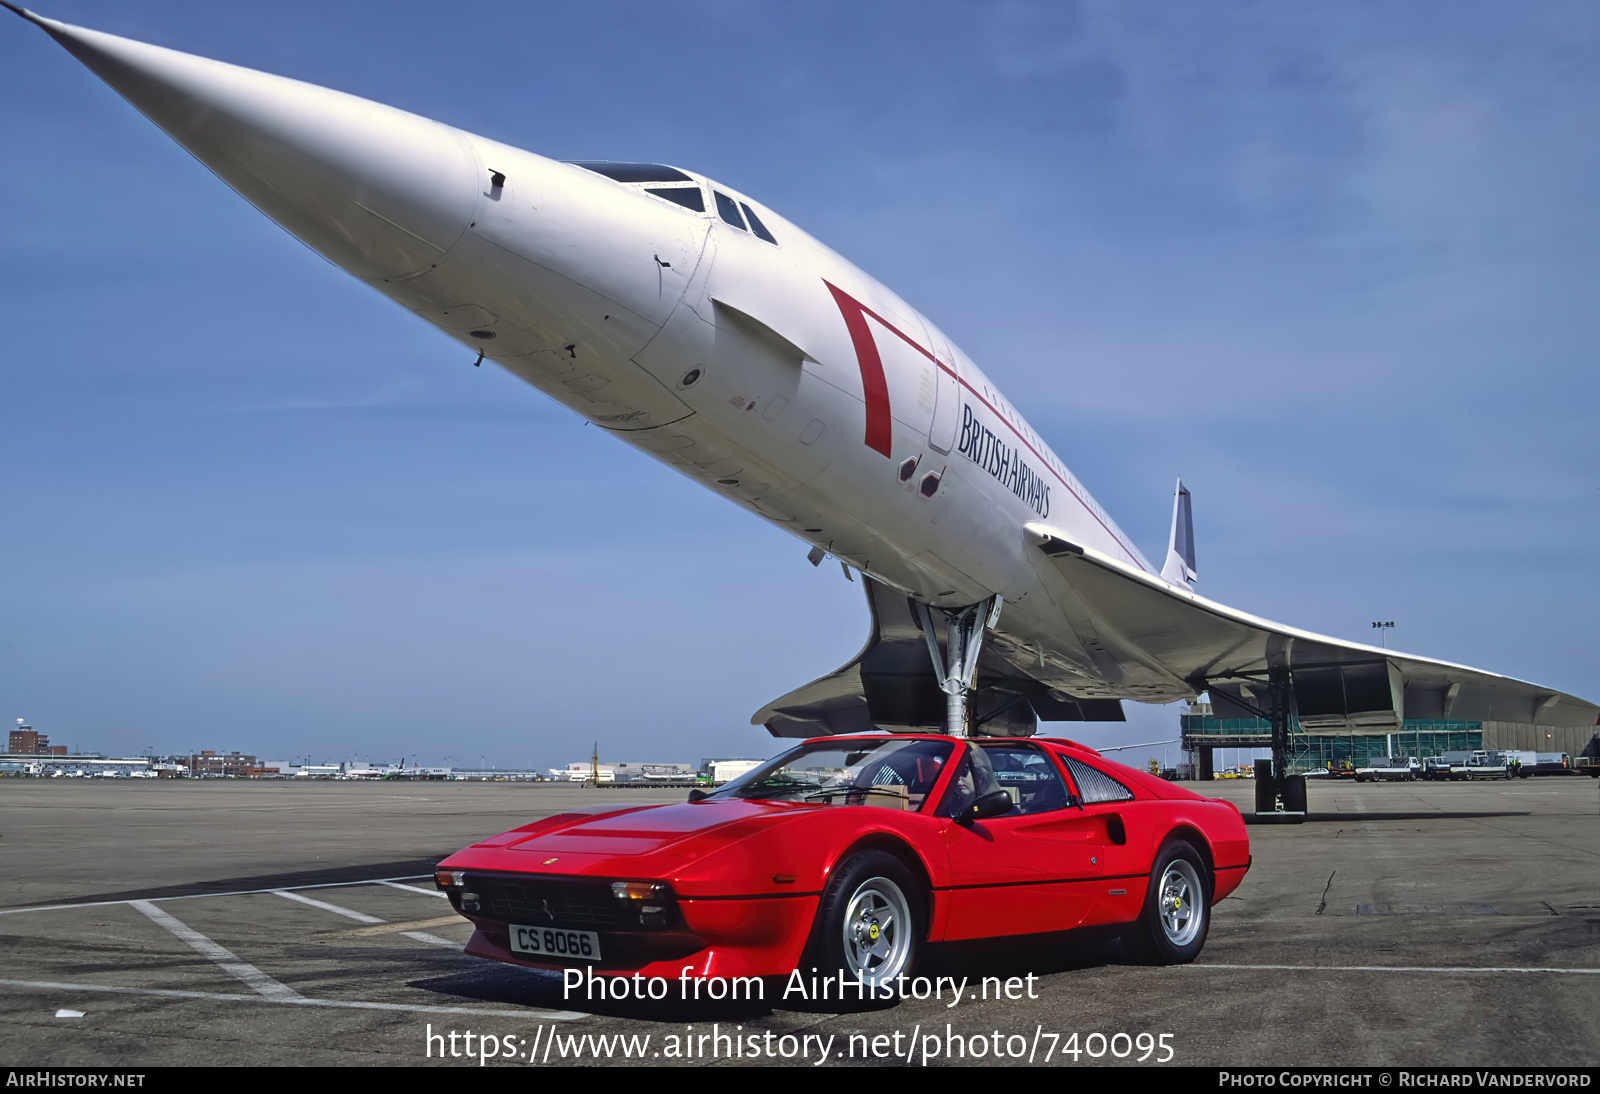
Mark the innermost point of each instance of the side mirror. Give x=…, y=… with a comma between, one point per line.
x=996, y=803
x=697, y=794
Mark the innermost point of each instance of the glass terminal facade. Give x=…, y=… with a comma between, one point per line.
x=1309, y=751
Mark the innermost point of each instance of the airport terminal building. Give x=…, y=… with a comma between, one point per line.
x=1203, y=731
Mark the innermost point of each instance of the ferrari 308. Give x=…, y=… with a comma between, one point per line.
x=853, y=854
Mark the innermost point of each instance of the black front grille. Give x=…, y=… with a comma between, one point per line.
x=539, y=902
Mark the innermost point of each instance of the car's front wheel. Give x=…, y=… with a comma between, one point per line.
x=1177, y=907
x=870, y=923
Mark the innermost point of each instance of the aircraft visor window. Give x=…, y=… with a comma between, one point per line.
x=632, y=172
x=687, y=196
x=756, y=226
x=729, y=210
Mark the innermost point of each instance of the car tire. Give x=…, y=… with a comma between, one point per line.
x=1172, y=927
x=871, y=921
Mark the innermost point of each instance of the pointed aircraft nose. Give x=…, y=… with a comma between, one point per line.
x=375, y=190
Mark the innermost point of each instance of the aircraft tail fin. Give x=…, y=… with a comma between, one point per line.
x=1179, y=568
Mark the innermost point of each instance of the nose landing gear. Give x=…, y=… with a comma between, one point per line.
x=955, y=666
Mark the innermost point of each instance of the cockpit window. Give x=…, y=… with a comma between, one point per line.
x=632, y=172
x=687, y=196
x=756, y=226
x=729, y=210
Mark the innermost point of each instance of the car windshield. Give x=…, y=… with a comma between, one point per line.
x=892, y=772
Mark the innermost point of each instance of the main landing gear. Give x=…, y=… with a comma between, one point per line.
x=1280, y=796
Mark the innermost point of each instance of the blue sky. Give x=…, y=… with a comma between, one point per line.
x=1335, y=265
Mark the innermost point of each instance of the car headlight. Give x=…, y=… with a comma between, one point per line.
x=651, y=901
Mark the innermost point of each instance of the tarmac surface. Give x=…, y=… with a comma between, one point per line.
x=262, y=923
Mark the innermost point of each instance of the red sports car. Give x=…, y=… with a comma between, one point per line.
x=851, y=854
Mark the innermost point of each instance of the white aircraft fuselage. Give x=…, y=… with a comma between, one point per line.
x=702, y=327
x=775, y=373
x=771, y=370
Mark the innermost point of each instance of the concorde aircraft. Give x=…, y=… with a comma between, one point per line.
x=700, y=326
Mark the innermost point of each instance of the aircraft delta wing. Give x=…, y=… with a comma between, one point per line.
x=700, y=326
x=1334, y=684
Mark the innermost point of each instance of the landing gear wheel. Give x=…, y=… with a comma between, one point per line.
x=1177, y=908
x=870, y=922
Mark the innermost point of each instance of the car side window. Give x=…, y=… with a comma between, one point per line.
x=1095, y=785
x=971, y=781
x=1027, y=774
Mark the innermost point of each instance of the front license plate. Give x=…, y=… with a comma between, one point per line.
x=555, y=942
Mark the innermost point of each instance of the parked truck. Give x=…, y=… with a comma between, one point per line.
x=1552, y=763
x=1392, y=769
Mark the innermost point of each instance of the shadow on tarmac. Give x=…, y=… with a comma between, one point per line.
x=334, y=875
x=1421, y=814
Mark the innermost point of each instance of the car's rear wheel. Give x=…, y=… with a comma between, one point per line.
x=870, y=923
x=1172, y=927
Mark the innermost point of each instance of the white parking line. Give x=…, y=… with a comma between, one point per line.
x=230, y=964
x=297, y=1000
x=415, y=889
x=419, y=936
x=348, y=913
x=1399, y=968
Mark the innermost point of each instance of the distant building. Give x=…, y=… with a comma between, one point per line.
x=26, y=741
x=353, y=769
x=583, y=771
x=652, y=772
x=721, y=770
x=233, y=765
x=1204, y=731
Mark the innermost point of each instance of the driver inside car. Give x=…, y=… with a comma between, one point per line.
x=973, y=779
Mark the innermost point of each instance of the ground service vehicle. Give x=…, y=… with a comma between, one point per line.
x=1436, y=768
x=1389, y=769
x=1552, y=763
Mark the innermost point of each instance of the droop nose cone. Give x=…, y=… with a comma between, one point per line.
x=380, y=192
